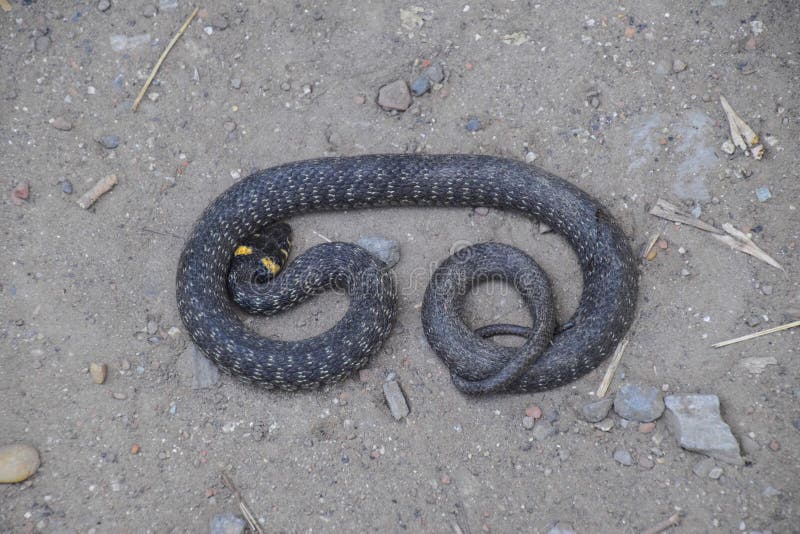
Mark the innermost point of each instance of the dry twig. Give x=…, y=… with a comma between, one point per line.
x=672, y=521
x=612, y=369
x=99, y=189
x=670, y=212
x=780, y=328
x=161, y=59
x=255, y=526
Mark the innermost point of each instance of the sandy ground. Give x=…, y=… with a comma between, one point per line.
x=620, y=99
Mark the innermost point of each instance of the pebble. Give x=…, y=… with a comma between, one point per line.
x=534, y=412
x=596, y=411
x=543, y=430
x=153, y=96
x=20, y=193
x=623, y=456
x=420, y=86
x=167, y=4
x=753, y=321
x=360, y=99
x=769, y=491
x=774, y=445
x=605, y=425
x=715, y=473
x=766, y=290
x=42, y=43
x=434, y=73
x=149, y=10
x=561, y=529
x=103, y=5
x=530, y=157
x=236, y=83
x=218, y=22
x=646, y=462
x=646, y=428
x=98, y=372
x=152, y=327
x=135, y=448
x=749, y=445
x=119, y=396
x=120, y=42
x=528, y=422
x=109, y=141
x=696, y=423
x=639, y=403
x=227, y=524
x=60, y=123
x=763, y=194
x=66, y=187
x=395, y=96
x=756, y=365
x=386, y=250
x=482, y=211
x=703, y=467
x=18, y=462
x=396, y=400
x=473, y=125
x=678, y=65
x=229, y=126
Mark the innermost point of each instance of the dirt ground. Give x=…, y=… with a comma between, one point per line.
x=621, y=99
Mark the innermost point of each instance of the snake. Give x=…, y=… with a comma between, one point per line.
x=210, y=301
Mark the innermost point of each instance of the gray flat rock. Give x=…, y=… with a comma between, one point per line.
x=698, y=426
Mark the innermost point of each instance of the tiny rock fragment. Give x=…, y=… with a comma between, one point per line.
x=605, y=425
x=98, y=372
x=386, y=250
x=473, y=125
x=528, y=422
x=60, y=123
x=99, y=189
x=623, y=457
x=763, y=194
x=596, y=411
x=135, y=449
x=18, y=462
x=533, y=412
x=651, y=254
x=757, y=151
x=420, y=85
x=639, y=403
x=20, y=193
x=109, y=141
x=103, y=5
x=395, y=399
x=395, y=96
x=757, y=365
x=410, y=19
x=515, y=39
x=119, y=396
x=728, y=147
x=678, y=65
x=227, y=524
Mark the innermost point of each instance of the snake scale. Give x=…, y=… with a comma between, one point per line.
x=603, y=316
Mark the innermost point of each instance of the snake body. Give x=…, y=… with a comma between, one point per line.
x=604, y=313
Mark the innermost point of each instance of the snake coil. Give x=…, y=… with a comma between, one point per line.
x=603, y=315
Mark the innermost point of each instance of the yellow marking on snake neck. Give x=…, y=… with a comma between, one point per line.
x=243, y=250
x=270, y=265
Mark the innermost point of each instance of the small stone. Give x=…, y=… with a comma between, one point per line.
x=473, y=125
x=18, y=462
x=623, y=456
x=360, y=99
x=42, y=43
x=227, y=524
x=306, y=89
x=715, y=473
x=167, y=4
x=528, y=422
x=796, y=424
x=533, y=412
x=153, y=96
x=769, y=491
x=749, y=445
x=66, y=187
x=753, y=321
x=103, y=5
x=444, y=479
x=596, y=411
x=696, y=423
x=395, y=96
x=109, y=141
x=60, y=123
x=766, y=290
x=543, y=430
x=678, y=65
x=286, y=86
x=646, y=428
x=646, y=462
x=236, y=83
x=756, y=365
x=774, y=445
x=639, y=403
x=605, y=425
x=218, y=22
x=763, y=194
x=685, y=273
x=482, y=211
x=420, y=86
x=434, y=73
x=205, y=373
x=98, y=372
x=229, y=126
x=119, y=396
x=135, y=449
x=396, y=400
x=703, y=467
x=152, y=327
x=21, y=193
x=544, y=228
x=149, y=10
x=594, y=102
x=728, y=147
x=530, y=156
x=386, y=250
x=560, y=528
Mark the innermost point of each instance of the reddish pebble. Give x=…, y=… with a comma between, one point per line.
x=662, y=140
x=468, y=66
x=444, y=92
x=20, y=193
x=360, y=99
x=751, y=43
x=444, y=479
x=663, y=245
x=425, y=63
x=646, y=428
x=210, y=492
x=375, y=455
x=533, y=412
x=135, y=448
x=630, y=31
x=774, y=445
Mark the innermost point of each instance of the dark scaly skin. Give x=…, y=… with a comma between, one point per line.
x=603, y=316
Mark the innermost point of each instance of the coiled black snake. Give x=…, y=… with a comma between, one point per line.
x=603, y=315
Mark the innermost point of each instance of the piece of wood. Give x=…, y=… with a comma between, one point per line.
x=612, y=369
x=670, y=212
x=738, y=240
x=99, y=189
x=161, y=59
x=780, y=328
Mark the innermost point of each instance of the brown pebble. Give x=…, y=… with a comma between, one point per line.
x=135, y=448
x=21, y=193
x=60, y=123
x=98, y=372
x=210, y=492
x=774, y=444
x=444, y=479
x=630, y=31
x=662, y=140
x=533, y=411
x=646, y=428
x=17, y=462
